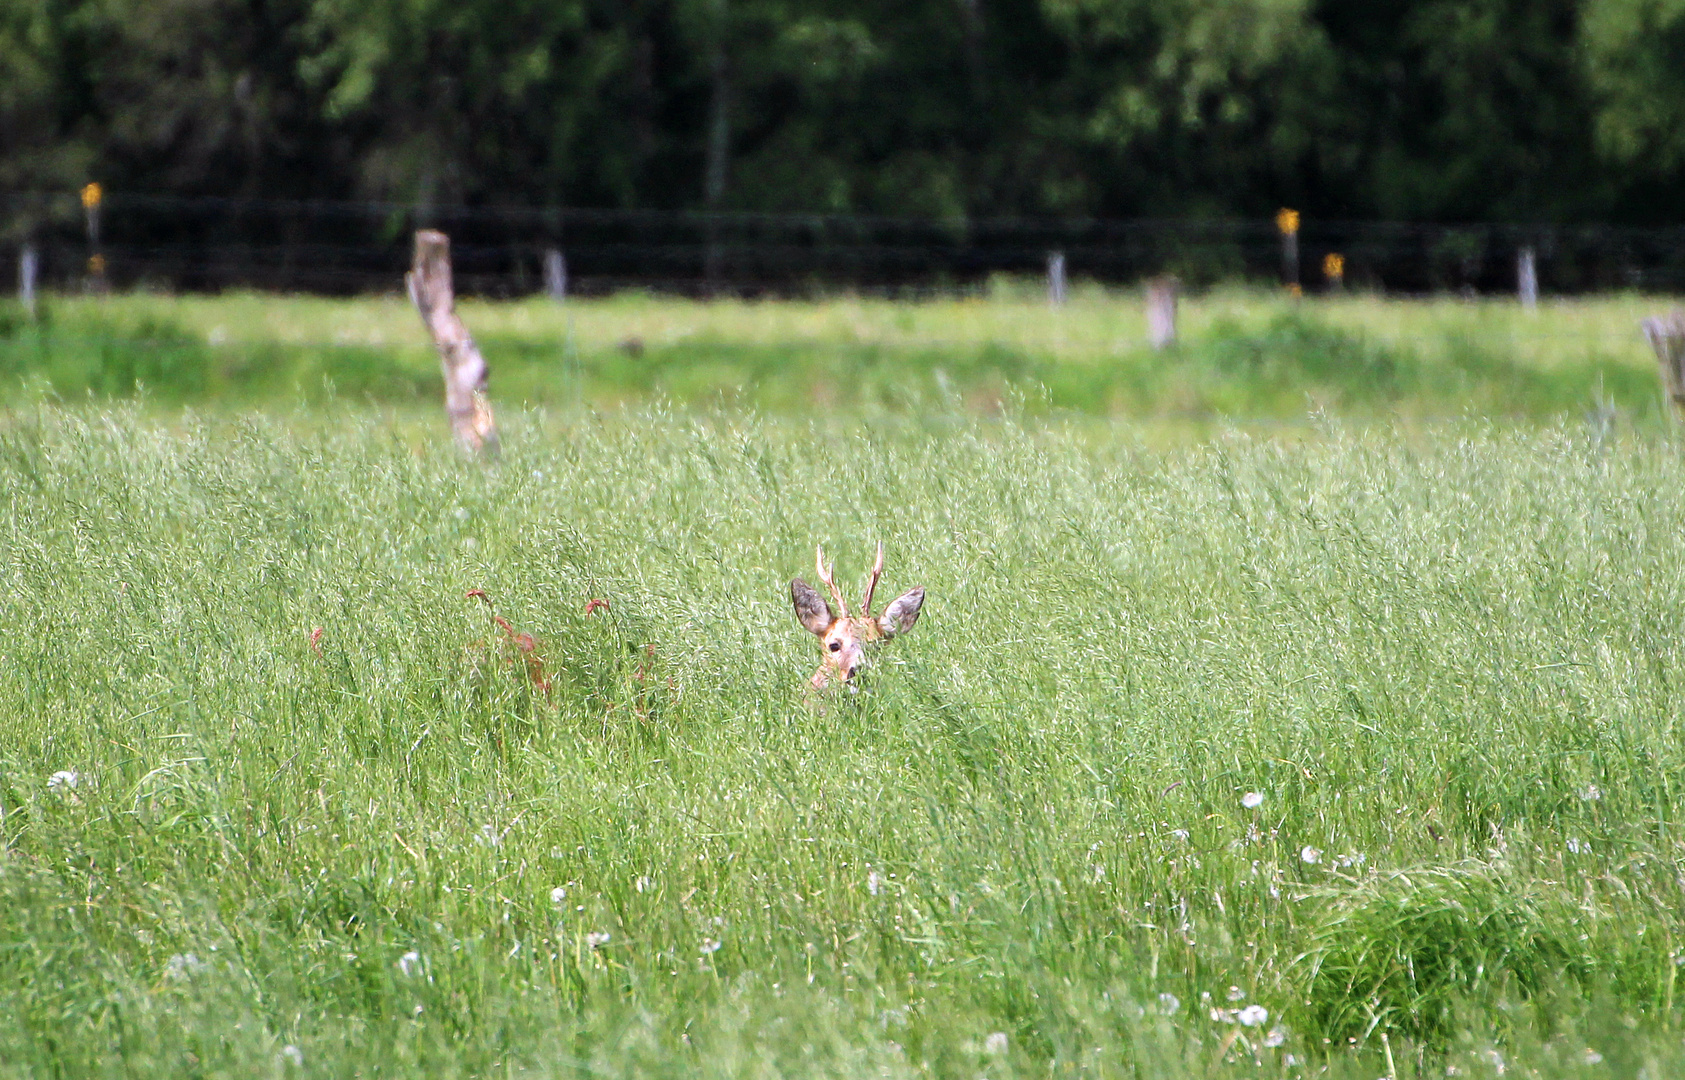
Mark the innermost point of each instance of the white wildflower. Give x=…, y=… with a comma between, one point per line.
x=408, y=962
x=558, y=895
x=995, y=1044
x=1276, y=1037
x=63, y=779
x=710, y=946
x=293, y=1054
x=1253, y=1015
x=1310, y=855
x=597, y=939
x=182, y=966
x=1168, y=1004
x=1252, y=800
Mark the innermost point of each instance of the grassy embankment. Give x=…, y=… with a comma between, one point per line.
x=1244, y=356
x=1448, y=666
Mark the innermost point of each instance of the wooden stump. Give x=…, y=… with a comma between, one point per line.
x=1161, y=311
x=429, y=282
x=1666, y=335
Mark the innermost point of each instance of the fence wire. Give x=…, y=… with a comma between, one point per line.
x=208, y=244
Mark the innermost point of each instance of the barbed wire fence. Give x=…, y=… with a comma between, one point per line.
x=133, y=241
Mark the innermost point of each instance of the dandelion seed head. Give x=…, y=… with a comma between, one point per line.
x=63, y=779
x=1252, y=800
x=1275, y=1038
x=293, y=1054
x=1236, y=994
x=1310, y=855
x=995, y=1045
x=710, y=946
x=558, y=895
x=597, y=939
x=1593, y=1057
x=408, y=962
x=1253, y=1015
x=1180, y=834
x=1168, y=1004
x=874, y=883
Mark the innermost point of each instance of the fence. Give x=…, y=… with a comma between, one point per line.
x=139, y=241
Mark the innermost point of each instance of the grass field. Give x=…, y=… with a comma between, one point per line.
x=1352, y=752
x=1244, y=356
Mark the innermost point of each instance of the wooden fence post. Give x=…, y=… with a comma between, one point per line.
x=28, y=266
x=1056, y=278
x=1666, y=335
x=429, y=282
x=555, y=275
x=1161, y=311
x=1527, y=279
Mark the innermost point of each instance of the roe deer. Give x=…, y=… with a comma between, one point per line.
x=846, y=636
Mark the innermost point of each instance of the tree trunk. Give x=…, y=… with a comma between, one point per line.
x=429, y=282
x=718, y=147
x=1666, y=335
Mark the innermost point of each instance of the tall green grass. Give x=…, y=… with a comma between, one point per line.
x=1447, y=663
x=1243, y=356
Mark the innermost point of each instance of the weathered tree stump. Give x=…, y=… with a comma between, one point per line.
x=1161, y=311
x=1666, y=335
x=429, y=282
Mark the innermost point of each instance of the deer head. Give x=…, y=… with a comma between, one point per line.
x=846, y=636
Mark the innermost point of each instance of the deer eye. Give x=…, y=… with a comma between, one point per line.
x=835, y=645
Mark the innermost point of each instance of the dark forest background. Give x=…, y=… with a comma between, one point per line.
x=1550, y=111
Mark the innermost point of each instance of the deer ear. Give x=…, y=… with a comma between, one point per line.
x=902, y=614
x=811, y=608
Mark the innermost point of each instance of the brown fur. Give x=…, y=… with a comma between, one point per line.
x=846, y=636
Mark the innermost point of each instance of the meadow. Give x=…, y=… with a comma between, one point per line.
x=1244, y=356
x=1339, y=738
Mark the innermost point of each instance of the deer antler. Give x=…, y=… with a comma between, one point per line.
x=872, y=583
x=830, y=583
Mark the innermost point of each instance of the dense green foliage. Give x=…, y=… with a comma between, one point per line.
x=1415, y=109
x=1377, y=735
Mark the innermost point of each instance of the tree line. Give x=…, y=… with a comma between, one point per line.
x=1426, y=110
